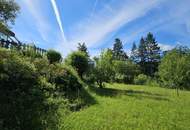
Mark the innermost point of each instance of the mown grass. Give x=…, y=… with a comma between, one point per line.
x=129, y=107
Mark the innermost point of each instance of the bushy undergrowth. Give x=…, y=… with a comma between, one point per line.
x=141, y=79
x=32, y=92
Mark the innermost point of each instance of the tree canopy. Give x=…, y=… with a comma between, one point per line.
x=8, y=11
x=118, y=52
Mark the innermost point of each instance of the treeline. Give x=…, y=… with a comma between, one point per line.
x=147, y=64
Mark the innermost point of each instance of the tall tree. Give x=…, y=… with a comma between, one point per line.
x=141, y=58
x=8, y=11
x=103, y=71
x=82, y=47
x=174, y=70
x=153, y=50
x=118, y=52
x=152, y=54
x=134, y=52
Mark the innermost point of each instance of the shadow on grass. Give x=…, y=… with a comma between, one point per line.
x=86, y=99
x=111, y=92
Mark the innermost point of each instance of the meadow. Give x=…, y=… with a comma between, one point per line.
x=130, y=107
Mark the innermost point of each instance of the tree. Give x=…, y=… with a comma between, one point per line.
x=134, y=53
x=142, y=54
x=118, y=52
x=149, y=55
x=174, y=69
x=79, y=61
x=8, y=11
x=125, y=71
x=103, y=71
x=152, y=54
x=53, y=56
x=82, y=47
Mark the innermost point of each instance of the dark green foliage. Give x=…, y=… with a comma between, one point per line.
x=142, y=52
x=134, y=53
x=42, y=66
x=31, y=53
x=118, y=52
x=148, y=55
x=79, y=61
x=65, y=79
x=104, y=71
x=125, y=71
x=141, y=79
x=33, y=91
x=82, y=47
x=174, y=69
x=152, y=55
x=8, y=11
x=24, y=104
x=53, y=56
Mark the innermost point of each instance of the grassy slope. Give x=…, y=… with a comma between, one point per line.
x=124, y=107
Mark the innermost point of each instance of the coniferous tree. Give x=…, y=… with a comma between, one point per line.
x=118, y=52
x=152, y=54
x=82, y=47
x=148, y=55
x=134, y=52
x=141, y=56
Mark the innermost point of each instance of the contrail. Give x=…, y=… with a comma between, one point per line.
x=56, y=11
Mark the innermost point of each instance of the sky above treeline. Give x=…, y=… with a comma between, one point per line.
x=62, y=24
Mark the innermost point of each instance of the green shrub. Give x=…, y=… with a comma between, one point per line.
x=125, y=71
x=174, y=69
x=31, y=53
x=54, y=56
x=23, y=102
x=42, y=66
x=79, y=61
x=65, y=79
x=152, y=82
x=141, y=79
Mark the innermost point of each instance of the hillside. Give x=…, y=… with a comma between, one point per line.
x=128, y=107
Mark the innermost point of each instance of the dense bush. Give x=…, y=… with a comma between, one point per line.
x=141, y=79
x=125, y=71
x=65, y=79
x=174, y=70
x=24, y=105
x=79, y=61
x=31, y=53
x=53, y=56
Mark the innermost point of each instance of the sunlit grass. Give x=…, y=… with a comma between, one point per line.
x=129, y=107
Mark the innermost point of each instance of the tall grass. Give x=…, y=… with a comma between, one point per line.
x=128, y=107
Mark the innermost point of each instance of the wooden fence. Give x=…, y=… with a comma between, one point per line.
x=21, y=46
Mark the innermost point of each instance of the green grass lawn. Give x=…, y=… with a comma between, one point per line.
x=128, y=107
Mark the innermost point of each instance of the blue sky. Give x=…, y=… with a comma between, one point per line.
x=61, y=24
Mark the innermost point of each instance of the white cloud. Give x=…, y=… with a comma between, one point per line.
x=165, y=47
x=104, y=23
x=56, y=11
x=41, y=22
